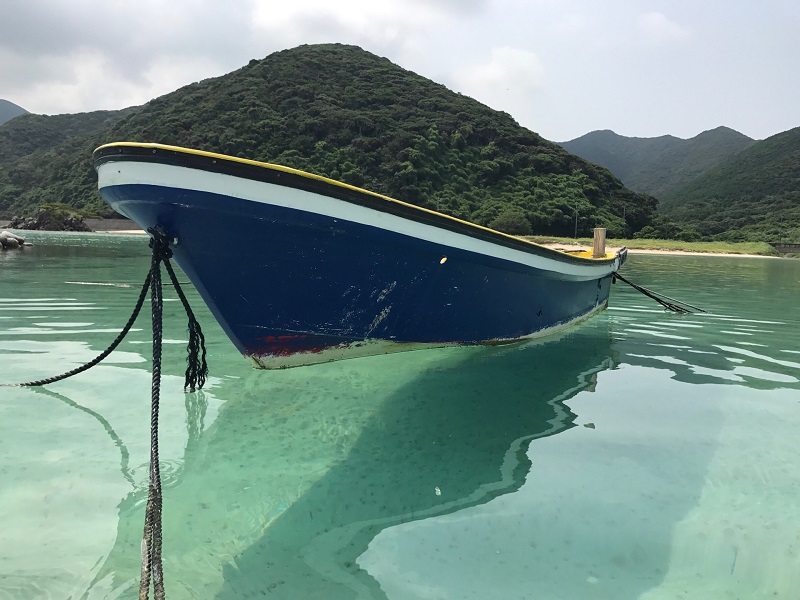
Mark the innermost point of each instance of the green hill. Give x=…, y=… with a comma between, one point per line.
x=31, y=133
x=347, y=114
x=754, y=195
x=9, y=110
x=659, y=165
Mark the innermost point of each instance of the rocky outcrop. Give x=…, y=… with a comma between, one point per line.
x=50, y=220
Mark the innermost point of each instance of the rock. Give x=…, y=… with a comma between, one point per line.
x=8, y=234
x=47, y=219
x=10, y=240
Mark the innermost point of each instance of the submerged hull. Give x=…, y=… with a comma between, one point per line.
x=299, y=269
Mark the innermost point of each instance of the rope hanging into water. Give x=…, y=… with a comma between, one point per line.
x=103, y=354
x=668, y=303
x=196, y=374
x=197, y=368
x=151, y=537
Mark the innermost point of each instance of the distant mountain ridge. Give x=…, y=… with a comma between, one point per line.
x=660, y=165
x=719, y=184
x=9, y=110
x=754, y=195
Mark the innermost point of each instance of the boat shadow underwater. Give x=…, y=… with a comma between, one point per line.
x=455, y=436
x=302, y=469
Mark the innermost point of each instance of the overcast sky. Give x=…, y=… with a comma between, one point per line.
x=560, y=67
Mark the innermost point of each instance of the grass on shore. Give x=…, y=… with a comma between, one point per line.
x=758, y=248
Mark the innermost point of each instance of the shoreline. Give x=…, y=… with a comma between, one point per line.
x=578, y=247
x=552, y=245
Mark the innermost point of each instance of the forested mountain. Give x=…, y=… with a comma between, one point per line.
x=344, y=113
x=9, y=110
x=31, y=133
x=753, y=196
x=659, y=165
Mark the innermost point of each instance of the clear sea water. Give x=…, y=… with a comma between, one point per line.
x=641, y=454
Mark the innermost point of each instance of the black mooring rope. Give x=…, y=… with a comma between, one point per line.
x=103, y=354
x=151, y=537
x=196, y=374
x=196, y=368
x=668, y=303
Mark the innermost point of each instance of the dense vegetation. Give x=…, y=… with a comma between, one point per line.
x=659, y=165
x=31, y=133
x=753, y=196
x=347, y=114
x=46, y=160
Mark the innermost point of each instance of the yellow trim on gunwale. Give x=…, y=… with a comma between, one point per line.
x=587, y=257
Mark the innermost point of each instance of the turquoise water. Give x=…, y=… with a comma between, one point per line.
x=640, y=455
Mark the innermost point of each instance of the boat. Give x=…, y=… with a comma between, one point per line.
x=300, y=269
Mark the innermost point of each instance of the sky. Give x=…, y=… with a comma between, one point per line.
x=563, y=68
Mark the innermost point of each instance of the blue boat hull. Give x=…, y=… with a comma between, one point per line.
x=294, y=287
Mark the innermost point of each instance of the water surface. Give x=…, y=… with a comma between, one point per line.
x=640, y=455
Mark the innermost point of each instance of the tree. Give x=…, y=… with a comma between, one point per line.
x=512, y=221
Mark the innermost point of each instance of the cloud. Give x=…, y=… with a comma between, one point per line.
x=464, y=7
x=376, y=24
x=572, y=24
x=535, y=59
x=70, y=83
x=74, y=55
x=507, y=69
x=660, y=29
x=510, y=80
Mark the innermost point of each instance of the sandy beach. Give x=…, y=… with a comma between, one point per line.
x=578, y=248
x=611, y=248
x=554, y=246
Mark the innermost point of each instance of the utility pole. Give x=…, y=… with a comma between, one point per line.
x=625, y=219
x=576, y=219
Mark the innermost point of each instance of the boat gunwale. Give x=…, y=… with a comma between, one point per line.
x=302, y=180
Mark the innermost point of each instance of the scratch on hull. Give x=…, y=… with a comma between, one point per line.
x=374, y=347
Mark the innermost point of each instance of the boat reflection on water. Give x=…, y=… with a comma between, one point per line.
x=303, y=468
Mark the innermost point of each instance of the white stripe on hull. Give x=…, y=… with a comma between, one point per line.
x=125, y=172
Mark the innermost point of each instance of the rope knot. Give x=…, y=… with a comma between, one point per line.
x=160, y=243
